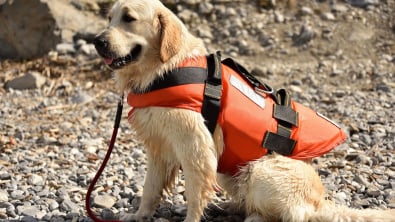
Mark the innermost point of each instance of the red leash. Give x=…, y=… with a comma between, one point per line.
x=103, y=165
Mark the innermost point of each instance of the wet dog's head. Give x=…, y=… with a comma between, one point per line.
x=139, y=32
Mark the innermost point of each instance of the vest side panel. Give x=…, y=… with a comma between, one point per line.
x=189, y=96
x=244, y=124
x=315, y=135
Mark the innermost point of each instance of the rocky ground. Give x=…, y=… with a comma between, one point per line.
x=336, y=57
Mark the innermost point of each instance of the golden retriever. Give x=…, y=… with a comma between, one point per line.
x=144, y=39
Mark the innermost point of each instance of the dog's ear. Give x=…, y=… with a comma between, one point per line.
x=170, y=35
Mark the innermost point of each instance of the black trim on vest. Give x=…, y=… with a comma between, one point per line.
x=213, y=91
x=180, y=76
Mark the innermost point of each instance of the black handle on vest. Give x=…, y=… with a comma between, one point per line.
x=212, y=91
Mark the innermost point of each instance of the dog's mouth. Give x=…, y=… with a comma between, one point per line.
x=117, y=63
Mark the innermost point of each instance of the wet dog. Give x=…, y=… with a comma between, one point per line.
x=143, y=41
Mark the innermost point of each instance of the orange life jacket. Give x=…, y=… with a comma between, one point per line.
x=247, y=118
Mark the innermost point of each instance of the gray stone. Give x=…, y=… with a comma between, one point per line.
x=28, y=219
x=306, y=10
x=3, y=196
x=383, y=87
x=36, y=180
x=18, y=195
x=361, y=180
x=373, y=192
x=5, y=176
x=340, y=197
x=32, y=211
x=328, y=16
x=122, y=203
x=136, y=202
x=180, y=209
x=279, y=17
x=81, y=98
x=88, y=49
x=69, y=206
x=361, y=203
x=11, y=211
x=206, y=7
x=53, y=204
x=363, y=3
x=31, y=80
x=104, y=201
x=339, y=8
x=65, y=48
x=305, y=35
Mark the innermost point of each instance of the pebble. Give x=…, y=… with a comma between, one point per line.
x=279, y=17
x=306, y=10
x=363, y=3
x=32, y=211
x=104, y=201
x=36, y=180
x=3, y=196
x=88, y=49
x=305, y=35
x=339, y=8
x=81, y=98
x=69, y=206
x=328, y=16
x=65, y=48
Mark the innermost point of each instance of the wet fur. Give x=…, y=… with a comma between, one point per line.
x=274, y=188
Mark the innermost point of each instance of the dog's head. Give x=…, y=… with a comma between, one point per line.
x=140, y=32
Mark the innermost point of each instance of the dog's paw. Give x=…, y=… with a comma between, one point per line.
x=254, y=218
x=135, y=218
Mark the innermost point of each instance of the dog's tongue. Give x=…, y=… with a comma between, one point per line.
x=108, y=61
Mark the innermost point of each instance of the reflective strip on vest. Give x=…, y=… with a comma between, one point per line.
x=245, y=117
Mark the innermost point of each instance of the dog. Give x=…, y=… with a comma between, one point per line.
x=143, y=41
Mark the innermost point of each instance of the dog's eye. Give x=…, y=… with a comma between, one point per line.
x=127, y=18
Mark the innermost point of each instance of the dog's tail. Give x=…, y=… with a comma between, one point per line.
x=330, y=212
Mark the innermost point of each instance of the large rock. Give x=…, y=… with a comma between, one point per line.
x=31, y=80
x=28, y=29
x=31, y=28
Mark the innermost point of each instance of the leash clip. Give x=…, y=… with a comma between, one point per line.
x=270, y=90
x=119, y=112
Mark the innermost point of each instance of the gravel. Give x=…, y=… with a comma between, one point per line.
x=54, y=135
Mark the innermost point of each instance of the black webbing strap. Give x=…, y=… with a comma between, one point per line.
x=247, y=76
x=179, y=76
x=281, y=141
x=212, y=91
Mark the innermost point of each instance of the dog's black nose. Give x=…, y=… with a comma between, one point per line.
x=101, y=44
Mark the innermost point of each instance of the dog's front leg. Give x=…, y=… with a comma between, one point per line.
x=158, y=175
x=200, y=180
